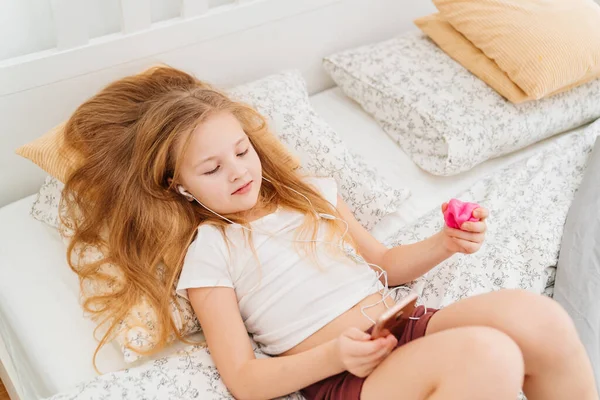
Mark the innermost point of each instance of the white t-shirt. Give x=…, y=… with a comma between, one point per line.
x=287, y=298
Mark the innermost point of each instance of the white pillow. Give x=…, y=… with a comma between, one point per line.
x=445, y=118
x=283, y=99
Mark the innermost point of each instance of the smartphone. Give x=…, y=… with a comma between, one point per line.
x=395, y=318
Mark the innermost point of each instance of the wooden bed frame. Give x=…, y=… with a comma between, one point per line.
x=225, y=45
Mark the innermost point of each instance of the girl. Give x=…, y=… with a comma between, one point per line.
x=169, y=160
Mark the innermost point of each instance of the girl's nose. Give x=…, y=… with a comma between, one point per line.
x=238, y=171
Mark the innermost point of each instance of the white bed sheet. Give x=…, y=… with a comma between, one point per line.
x=362, y=134
x=45, y=338
x=41, y=322
x=518, y=254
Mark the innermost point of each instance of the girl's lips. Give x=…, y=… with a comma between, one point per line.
x=244, y=189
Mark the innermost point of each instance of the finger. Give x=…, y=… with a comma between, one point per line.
x=481, y=213
x=374, y=361
x=468, y=247
x=390, y=345
x=462, y=235
x=383, y=353
x=384, y=356
x=392, y=342
x=375, y=357
x=477, y=238
x=366, y=349
x=444, y=207
x=369, y=365
x=366, y=370
x=475, y=227
x=356, y=334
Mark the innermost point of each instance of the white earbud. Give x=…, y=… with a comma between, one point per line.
x=326, y=216
x=185, y=193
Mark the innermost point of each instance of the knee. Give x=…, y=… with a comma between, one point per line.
x=546, y=323
x=493, y=353
x=545, y=317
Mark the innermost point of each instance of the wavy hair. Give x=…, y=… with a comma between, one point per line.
x=120, y=198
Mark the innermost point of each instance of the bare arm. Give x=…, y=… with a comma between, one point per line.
x=245, y=376
x=402, y=263
x=408, y=262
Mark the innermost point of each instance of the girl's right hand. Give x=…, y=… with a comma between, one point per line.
x=359, y=354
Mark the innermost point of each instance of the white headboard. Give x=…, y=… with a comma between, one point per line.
x=225, y=45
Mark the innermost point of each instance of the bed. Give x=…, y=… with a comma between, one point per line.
x=46, y=343
x=60, y=358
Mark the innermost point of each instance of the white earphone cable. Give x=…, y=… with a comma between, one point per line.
x=385, y=292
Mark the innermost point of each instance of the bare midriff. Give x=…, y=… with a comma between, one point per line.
x=351, y=318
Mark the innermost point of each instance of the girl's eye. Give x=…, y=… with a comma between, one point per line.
x=212, y=172
x=217, y=168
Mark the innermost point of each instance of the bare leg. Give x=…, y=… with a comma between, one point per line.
x=456, y=364
x=556, y=364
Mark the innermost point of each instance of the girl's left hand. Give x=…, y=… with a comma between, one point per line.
x=469, y=238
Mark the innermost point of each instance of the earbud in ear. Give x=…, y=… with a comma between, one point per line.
x=184, y=192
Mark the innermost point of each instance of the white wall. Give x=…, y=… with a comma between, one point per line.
x=27, y=26
x=229, y=45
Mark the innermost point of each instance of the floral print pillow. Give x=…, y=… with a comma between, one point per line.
x=445, y=118
x=283, y=99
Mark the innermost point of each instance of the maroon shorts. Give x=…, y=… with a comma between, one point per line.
x=346, y=386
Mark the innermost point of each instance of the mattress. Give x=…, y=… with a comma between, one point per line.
x=362, y=134
x=41, y=321
x=48, y=342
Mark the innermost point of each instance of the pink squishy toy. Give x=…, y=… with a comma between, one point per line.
x=459, y=212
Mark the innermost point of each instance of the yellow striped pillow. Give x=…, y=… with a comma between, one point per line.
x=542, y=45
x=465, y=53
x=50, y=153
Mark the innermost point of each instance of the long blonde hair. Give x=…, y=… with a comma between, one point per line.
x=120, y=198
